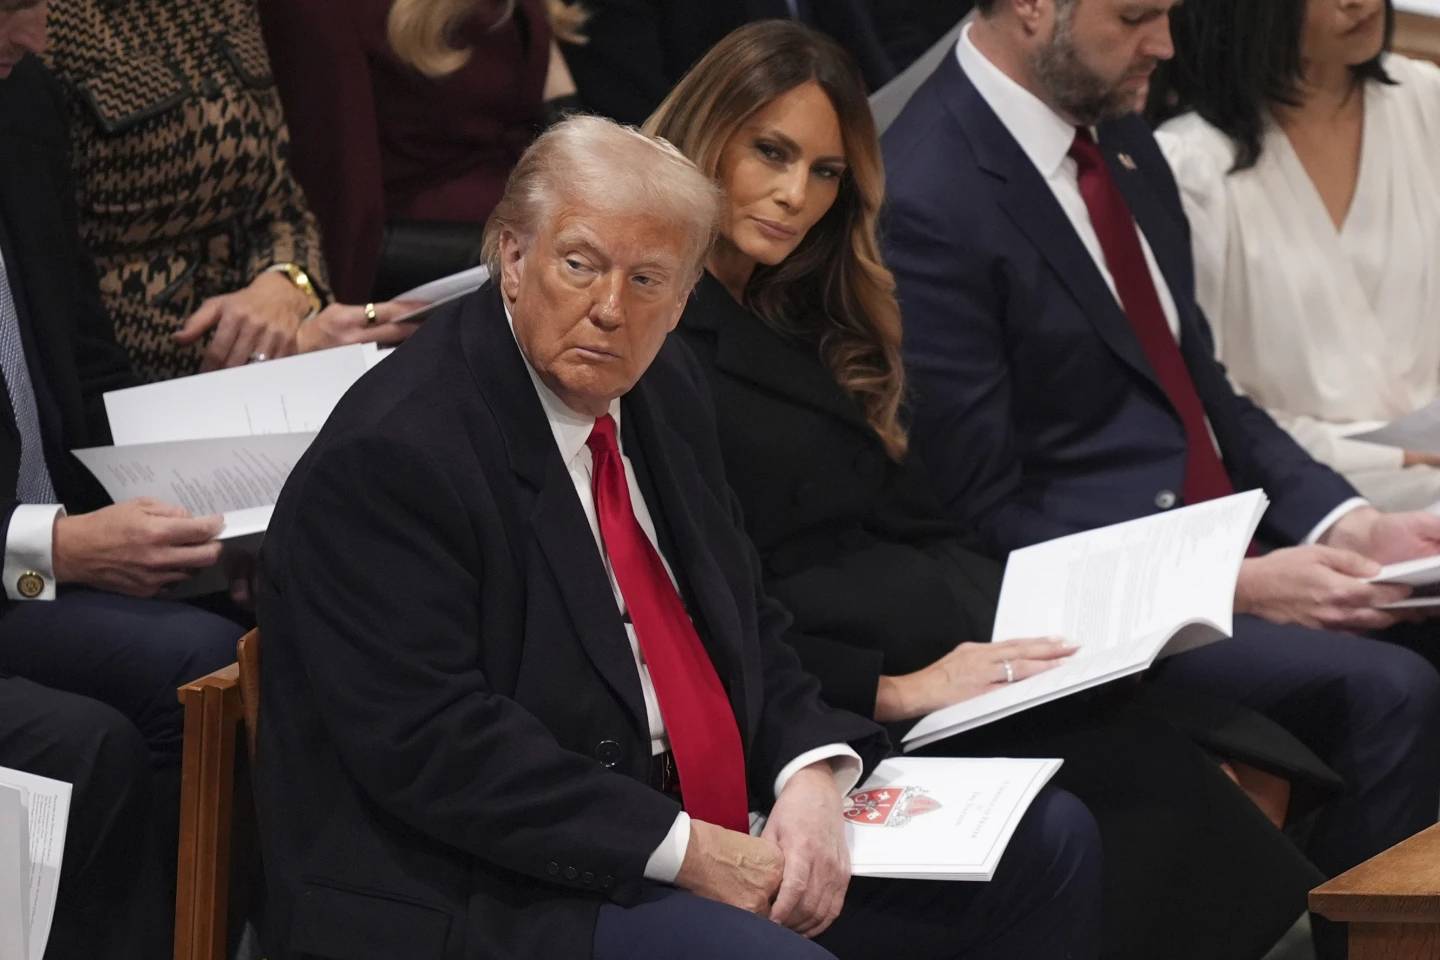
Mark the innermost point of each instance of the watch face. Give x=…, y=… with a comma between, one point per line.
x=30, y=584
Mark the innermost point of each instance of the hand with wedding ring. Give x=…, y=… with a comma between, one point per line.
x=342, y=323
x=967, y=671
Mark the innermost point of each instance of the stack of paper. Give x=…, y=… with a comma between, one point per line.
x=1126, y=595
x=1423, y=575
x=34, y=813
x=940, y=818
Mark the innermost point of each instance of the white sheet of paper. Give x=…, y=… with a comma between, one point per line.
x=940, y=818
x=203, y=476
x=1422, y=572
x=1418, y=431
x=1125, y=594
x=437, y=293
x=290, y=395
x=14, y=874
x=47, y=814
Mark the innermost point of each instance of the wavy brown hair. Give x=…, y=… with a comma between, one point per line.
x=834, y=286
x=422, y=32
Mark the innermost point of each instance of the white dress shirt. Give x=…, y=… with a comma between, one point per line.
x=1333, y=330
x=1045, y=137
x=571, y=430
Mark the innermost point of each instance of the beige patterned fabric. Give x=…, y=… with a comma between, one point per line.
x=180, y=153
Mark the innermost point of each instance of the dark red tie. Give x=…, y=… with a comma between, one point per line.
x=1205, y=476
x=697, y=714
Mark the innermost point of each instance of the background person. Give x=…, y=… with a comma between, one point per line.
x=1305, y=158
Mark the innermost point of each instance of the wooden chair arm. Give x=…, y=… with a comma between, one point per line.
x=213, y=711
x=1401, y=885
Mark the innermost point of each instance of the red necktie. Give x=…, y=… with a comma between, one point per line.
x=697, y=713
x=1205, y=476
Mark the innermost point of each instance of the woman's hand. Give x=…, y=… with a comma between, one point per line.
x=341, y=323
x=967, y=671
x=257, y=322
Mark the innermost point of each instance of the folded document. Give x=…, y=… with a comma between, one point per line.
x=1127, y=595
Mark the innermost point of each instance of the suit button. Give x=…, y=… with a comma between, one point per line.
x=587, y=878
x=608, y=752
x=552, y=868
x=607, y=882
x=571, y=873
x=1166, y=499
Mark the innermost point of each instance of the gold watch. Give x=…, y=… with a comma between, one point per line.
x=296, y=275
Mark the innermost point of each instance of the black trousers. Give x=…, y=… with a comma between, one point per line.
x=128, y=655
x=1043, y=904
x=112, y=902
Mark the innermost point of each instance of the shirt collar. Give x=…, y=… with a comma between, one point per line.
x=570, y=429
x=1043, y=134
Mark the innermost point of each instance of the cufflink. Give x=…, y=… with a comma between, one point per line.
x=30, y=584
x=1127, y=161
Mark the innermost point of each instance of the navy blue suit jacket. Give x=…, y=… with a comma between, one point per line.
x=1035, y=407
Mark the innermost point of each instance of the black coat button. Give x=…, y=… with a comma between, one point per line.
x=571, y=873
x=587, y=878
x=607, y=882
x=552, y=868
x=608, y=752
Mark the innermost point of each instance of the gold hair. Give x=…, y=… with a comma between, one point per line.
x=835, y=286
x=422, y=32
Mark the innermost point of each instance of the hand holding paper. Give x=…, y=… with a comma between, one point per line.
x=136, y=547
x=1316, y=586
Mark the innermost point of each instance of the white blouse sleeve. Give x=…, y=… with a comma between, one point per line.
x=1200, y=158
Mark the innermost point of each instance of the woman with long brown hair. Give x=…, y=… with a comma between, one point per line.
x=798, y=328
x=405, y=119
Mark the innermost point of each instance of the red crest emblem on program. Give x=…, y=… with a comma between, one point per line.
x=888, y=806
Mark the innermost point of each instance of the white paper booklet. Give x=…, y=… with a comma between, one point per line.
x=1418, y=431
x=290, y=395
x=1127, y=595
x=1423, y=575
x=34, y=813
x=439, y=292
x=940, y=818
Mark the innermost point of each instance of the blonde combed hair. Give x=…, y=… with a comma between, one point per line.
x=837, y=273
x=602, y=166
x=422, y=32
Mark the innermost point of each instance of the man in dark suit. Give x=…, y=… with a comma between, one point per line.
x=1053, y=396
x=63, y=651
x=635, y=50
x=521, y=682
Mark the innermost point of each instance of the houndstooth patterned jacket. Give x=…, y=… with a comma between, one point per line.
x=180, y=155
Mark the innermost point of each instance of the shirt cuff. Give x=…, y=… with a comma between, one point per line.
x=844, y=764
x=1333, y=517
x=664, y=864
x=29, y=570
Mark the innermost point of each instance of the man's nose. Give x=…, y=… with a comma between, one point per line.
x=606, y=306
x=1159, y=44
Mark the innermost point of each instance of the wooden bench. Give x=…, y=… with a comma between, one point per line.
x=1391, y=901
x=1417, y=35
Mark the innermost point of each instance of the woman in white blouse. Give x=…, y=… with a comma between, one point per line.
x=1309, y=164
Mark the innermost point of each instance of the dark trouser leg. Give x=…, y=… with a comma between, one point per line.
x=112, y=903
x=670, y=924
x=1043, y=904
x=129, y=653
x=1368, y=708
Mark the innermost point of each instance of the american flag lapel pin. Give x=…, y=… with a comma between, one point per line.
x=1127, y=161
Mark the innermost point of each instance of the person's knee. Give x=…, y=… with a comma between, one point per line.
x=1401, y=689
x=200, y=642
x=117, y=756
x=1059, y=842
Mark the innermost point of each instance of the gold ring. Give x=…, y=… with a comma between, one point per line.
x=370, y=314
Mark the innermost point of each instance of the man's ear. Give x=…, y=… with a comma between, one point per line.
x=513, y=249
x=1032, y=14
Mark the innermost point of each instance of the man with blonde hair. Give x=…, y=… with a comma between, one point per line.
x=521, y=686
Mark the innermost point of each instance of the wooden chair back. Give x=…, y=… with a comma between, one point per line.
x=217, y=707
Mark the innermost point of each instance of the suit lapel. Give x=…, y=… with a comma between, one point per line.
x=674, y=494
x=556, y=518
x=750, y=351
x=1029, y=202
